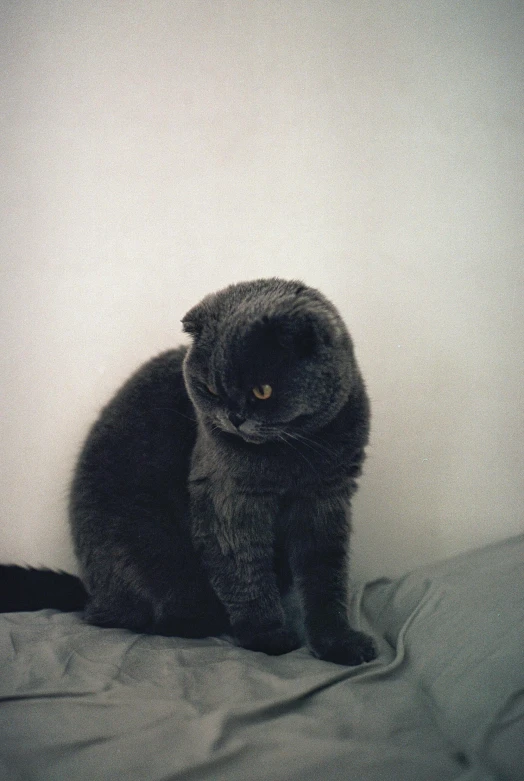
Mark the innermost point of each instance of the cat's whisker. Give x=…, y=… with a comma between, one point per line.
x=317, y=443
x=316, y=447
x=282, y=437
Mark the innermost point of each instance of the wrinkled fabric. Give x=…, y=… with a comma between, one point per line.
x=444, y=700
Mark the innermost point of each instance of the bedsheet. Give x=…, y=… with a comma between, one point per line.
x=444, y=700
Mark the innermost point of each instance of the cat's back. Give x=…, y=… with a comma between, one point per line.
x=143, y=437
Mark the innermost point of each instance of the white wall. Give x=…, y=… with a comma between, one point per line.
x=155, y=151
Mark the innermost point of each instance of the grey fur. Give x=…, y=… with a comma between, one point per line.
x=196, y=507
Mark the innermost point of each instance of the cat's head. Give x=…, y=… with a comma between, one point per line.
x=269, y=359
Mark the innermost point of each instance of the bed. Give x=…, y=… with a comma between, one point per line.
x=444, y=700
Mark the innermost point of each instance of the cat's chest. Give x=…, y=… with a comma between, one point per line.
x=269, y=471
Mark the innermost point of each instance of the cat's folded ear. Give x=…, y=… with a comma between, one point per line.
x=193, y=321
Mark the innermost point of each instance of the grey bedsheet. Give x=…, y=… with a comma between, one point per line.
x=445, y=699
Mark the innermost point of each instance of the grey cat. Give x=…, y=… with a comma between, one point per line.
x=220, y=477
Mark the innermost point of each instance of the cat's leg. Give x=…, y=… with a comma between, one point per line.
x=122, y=610
x=188, y=608
x=318, y=554
x=235, y=541
x=151, y=580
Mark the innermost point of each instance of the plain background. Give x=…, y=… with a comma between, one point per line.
x=152, y=152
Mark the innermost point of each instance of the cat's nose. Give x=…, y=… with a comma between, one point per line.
x=235, y=419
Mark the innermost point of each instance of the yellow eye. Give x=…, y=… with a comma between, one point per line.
x=262, y=392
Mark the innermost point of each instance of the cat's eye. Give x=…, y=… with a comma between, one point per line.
x=262, y=392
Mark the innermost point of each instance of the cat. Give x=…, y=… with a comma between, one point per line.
x=220, y=477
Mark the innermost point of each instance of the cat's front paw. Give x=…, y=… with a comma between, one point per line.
x=349, y=647
x=274, y=642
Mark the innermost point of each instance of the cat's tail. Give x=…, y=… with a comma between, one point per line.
x=26, y=588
